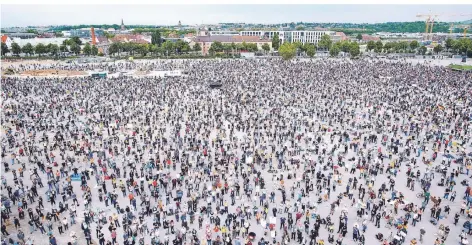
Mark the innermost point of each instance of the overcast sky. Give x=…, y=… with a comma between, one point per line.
x=31, y=15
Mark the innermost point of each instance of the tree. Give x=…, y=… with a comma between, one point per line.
x=378, y=46
x=143, y=49
x=423, y=50
x=403, y=46
x=160, y=50
x=87, y=49
x=464, y=45
x=179, y=46
x=395, y=46
x=197, y=47
x=226, y=48
x=156, y=38
x=311, y=50
x=168, y=47
x=253, y=47
x=218, y=46
x=288, y=50
x=266, y=47
x=299, y=47
x=414, y=45
x=388, y=47
x=15, y=49
x=345, y=46
x=94, y=50
x=28, y=49
x=40, y=49
x=4, y=49
x=354, y=49
x=370, y=45
x=63, y=48
x=153, y=49
x=245, y=47
x=76, y=40
x=233, y=46
x=275, y=41
x=438, y=48
x=359, y=37
x=334, y=51
x=53, y=49
x=114, y=48
x=108, y=35
x=75, y=48
x=325, y=42
x=449, y=44
x=304, y=48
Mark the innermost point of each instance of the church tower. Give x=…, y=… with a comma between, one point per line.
x=122, y=25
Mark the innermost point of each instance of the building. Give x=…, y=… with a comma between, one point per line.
x=128, y=38
x=6, y=40
x=122, y=25
x=21, y=35
x=339, y=36
x=66, y=33
x=368, y=38
x=34, y=41
x=308, y=36
x=265, y=34
x=205, y=42
x=14, y=29
x=224, y=33
x=102, y=44
x=293, y=36
x=86, y=33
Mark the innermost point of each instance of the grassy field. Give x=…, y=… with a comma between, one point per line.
x=461, y=67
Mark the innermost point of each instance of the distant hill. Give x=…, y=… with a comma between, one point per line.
x=467, y=22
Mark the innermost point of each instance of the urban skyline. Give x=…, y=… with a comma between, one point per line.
x=45, y=15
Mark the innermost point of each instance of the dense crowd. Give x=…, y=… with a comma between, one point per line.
x=284, y=152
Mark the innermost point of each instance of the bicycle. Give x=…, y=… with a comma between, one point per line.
x=420, y=194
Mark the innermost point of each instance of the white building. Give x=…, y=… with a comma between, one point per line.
x=66, y=33
x=284, y=36
x=34, y=41
x=224, y=33
x=309, y=36
x=291, y=36
x=266, y=34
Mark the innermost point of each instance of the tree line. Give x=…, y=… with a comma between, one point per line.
x=462, y=46
x=289, y=50
x=157, y=47
x=72, y=45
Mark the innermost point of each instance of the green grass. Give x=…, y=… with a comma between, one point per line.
x=461, y=67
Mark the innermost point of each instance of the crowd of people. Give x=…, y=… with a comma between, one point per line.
x=313, y=152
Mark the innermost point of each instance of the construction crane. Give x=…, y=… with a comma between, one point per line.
x=431, y=18
x=465, y=27
x=429, y=24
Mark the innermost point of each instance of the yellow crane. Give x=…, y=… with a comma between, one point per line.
x=430, y=18
x=465, y=27
x=429, y=24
